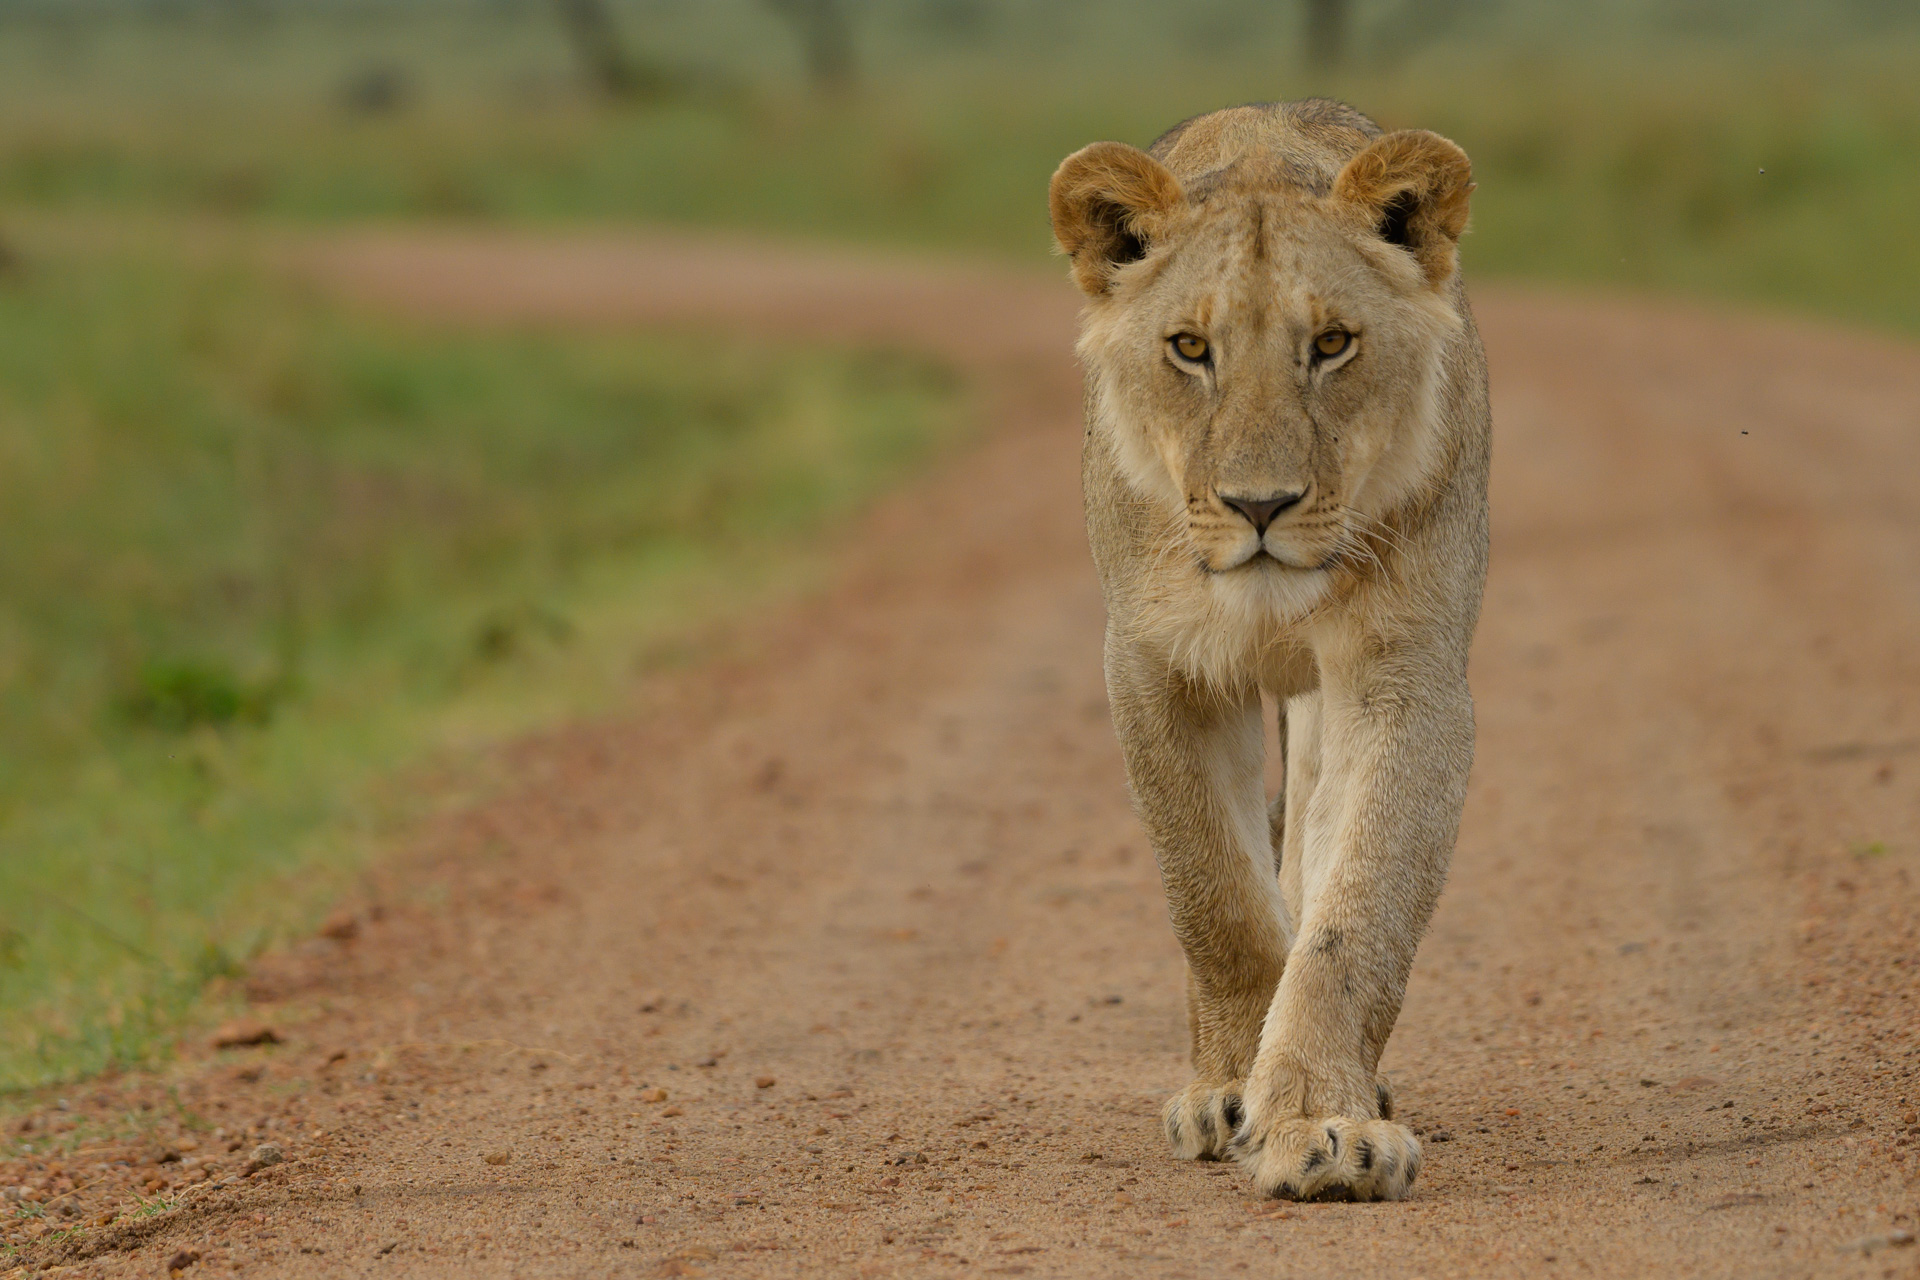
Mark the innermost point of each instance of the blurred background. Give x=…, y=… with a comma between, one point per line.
x=274, y=571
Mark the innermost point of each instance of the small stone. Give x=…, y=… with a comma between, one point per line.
x=182, y=1260
x=653, y=1095
x=671, y=1112
x=1694, y=1082
x=1738, y=1200
x=265, y=1156
x=497, y=1157
x=764, y=1082
x=341, y=926
x=1873, y=1244
x=237, y=1035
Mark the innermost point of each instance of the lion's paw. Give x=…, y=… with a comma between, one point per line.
x=1201, y=1118
x=1333, y=1158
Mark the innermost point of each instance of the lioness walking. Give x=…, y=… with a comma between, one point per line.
x=1286, y=487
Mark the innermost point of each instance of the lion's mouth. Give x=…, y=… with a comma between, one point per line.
x=1263, y=560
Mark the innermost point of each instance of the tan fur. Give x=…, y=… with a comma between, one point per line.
x=1259, y=229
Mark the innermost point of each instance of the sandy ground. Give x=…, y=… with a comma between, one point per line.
x=842, y=955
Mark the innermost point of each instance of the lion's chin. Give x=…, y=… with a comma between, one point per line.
x=1262, y=560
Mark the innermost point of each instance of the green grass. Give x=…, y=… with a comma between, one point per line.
x=257, y=554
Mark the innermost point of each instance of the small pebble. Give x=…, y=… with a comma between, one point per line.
x=240, y=1034
x=1873, y=1244
x=497, y=1157
x=341, y=926
x=653, y=1095
x=764, y=1082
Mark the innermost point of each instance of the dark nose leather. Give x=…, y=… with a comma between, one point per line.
x=1261, y=511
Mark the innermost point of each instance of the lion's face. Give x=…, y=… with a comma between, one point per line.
x=1266, y=356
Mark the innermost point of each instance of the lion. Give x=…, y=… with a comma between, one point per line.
x=1285, y=472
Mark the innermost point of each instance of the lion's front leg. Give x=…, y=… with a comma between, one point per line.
x=1375, y=841
x=1194, y=766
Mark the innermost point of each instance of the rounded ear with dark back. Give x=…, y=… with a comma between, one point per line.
x=1108, y=201
x=1414, y=186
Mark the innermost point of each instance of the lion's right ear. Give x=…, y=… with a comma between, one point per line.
x=1108, y=201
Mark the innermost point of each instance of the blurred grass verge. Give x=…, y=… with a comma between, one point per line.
x=260, y=555
x=1780, y=172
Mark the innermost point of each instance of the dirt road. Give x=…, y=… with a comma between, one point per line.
x=842, y=955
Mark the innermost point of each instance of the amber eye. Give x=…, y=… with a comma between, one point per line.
x=1332, y=342
x=1191, y=346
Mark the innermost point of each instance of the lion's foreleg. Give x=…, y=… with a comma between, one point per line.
x=1376, y=837
x=1194, y=765
x=1300, y=752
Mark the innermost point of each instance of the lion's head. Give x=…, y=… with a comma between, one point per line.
x=1270, y=297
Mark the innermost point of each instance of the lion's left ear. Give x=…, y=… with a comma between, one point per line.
x=1108, y=201
x=1414, y=185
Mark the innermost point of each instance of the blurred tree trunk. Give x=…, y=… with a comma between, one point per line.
x=827, y=36
x=1326, y=33
x=603, y=59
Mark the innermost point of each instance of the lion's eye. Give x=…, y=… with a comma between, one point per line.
x=1332, y=342
x=1191, y=346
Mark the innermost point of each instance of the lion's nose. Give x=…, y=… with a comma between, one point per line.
x=1261, y=511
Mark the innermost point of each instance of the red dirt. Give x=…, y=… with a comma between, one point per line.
x=864, y=898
